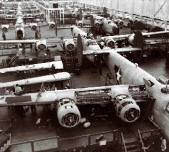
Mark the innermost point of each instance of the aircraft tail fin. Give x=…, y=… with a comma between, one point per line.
x=79, y=49
x=92, y=21
x=138, y=40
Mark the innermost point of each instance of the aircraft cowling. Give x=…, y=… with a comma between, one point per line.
x=119, y=22
x=69, y=45
x=68, y=113
x=41, y=45
x=51, y=25
x=126, y=108
x=5, y=28
x=109, y=42
x=33, y=26
x=97, y=24
x=20, y=33
x=80, y=23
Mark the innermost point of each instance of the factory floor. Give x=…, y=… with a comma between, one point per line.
x=25, y=128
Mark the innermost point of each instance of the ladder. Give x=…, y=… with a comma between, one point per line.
x=132, y=144
x=12, y=61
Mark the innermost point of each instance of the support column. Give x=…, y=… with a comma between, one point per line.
x=117, y=5
x=60, y=15
x=167, y=18
x=132, y=11
x=63, y=16
x=153, y=12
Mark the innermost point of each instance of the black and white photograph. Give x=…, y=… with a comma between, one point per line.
x=84, y=75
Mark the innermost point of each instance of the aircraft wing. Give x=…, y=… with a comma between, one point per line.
x=42, y=79
x=107, y=51
x=144, y=34
x=117, y=36
x=155, y=33
x=40, y=66
x=127, y=49
x=19, y=41
x=95, y=52
x=91, y=95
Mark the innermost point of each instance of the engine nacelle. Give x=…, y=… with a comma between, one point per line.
x=51, y=25
x=126, y=108
x=69, y=44
x=119, y=22
x=98, y=21
x=68, y=113
x=79, y=23
x=41, y=45
x=110, y=42
x=5, y=27
x=33, y=26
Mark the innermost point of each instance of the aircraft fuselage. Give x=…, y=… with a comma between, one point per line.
x=131, y=74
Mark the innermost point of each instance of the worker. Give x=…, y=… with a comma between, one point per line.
x=38, y=122
x=36, y=34
x=53, y=69
x=3, y=36
x=18, y=90
x=56, y=29
x=53, y=87
x=163, y=145
x=101, y=45
x=7, y=92
x=67, y=86
x=33, y=109
x=19, y=52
